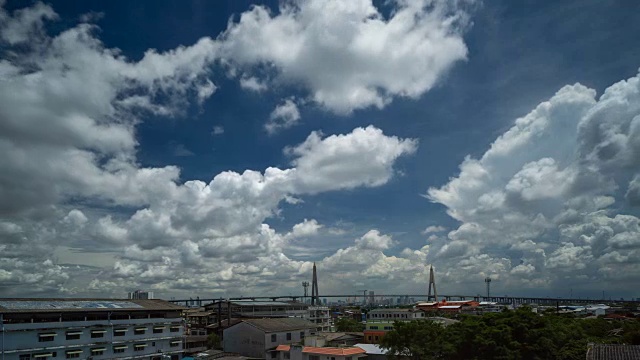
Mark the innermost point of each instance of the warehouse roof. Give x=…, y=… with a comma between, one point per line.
x=280, y=324
x=24, y=305
x=613, y=352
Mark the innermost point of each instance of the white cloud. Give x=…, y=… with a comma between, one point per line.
x=217, y=130
x=252, y=83
x=434, y=229
x=364, y=157
x=556, y=191
x=283, y=116
x=348, y=54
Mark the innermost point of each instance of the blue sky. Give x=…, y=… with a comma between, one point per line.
x=364, y=220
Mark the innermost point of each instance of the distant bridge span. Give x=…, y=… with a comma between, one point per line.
x=498, y=299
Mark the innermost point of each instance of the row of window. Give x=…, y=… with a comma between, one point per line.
x=274, y=337
x=375, y=327
x=74, y=354
x=99, y=333
x=405, y=316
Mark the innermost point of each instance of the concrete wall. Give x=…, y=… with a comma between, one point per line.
x=245, y=340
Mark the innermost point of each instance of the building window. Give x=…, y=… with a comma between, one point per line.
x=73, y=335
x=388, y=327
x=46, y=337
x=314, y=357
x=24, y=357
x=274, y=337
x=175, y=343
x=286, y=355
x=274, y=354
x=139, y=347
x=95, y=334
x=74, y=354
x=348, y=358
x=174, y=329
x=288, y=336
x=373, y=327
x=333, y=358
x=119, y=349
x=301, y=335
x=376, y=338
x=139, y=331
x=158, y=329
x=44, y=356
x=97, y=351
x=119, y=332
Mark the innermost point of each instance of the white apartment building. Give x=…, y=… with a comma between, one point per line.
x=259, y=338
x=48, y=329
x=319, y=315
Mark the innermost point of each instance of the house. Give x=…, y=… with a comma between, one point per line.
x=47, y=329
x=299, y=352
x=258, y=338
x=373, y=351
x=612, y=352
x=334, y=339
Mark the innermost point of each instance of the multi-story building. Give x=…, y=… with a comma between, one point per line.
x=47, y=329
x=258, y=338
x=396, y=314
x=257, y=309
x=247, y=309
x=320, y=316
x=140, y=295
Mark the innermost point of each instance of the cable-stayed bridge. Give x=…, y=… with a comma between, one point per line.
x=516, y=300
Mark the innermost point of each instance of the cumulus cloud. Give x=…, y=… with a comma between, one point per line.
x=556, y=192
x=69, y=108
x=349, y=55
x=283, y=116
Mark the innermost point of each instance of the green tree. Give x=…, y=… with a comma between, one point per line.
x=346, y=324
x=417, y=340
x=213, y=341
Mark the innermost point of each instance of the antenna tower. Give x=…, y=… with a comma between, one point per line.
x=432, y=282
x=487, y=280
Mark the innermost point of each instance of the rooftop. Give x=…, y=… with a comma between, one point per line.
x=341, y=351
x=613, y=352
x=372, y=349
x=24, y=305
x=280, y=324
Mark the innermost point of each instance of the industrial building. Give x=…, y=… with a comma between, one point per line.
x=259, y=338
x=46, y=329
x=247, y=309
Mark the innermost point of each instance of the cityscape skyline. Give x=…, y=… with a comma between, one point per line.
x=226, y=149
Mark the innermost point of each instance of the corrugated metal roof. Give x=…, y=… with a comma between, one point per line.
x=280, y=324
x=20, y=305
x=613, y=352
x=342, y=351
x=372, y=349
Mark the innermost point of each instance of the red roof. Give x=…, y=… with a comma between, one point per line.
x=325, y=350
